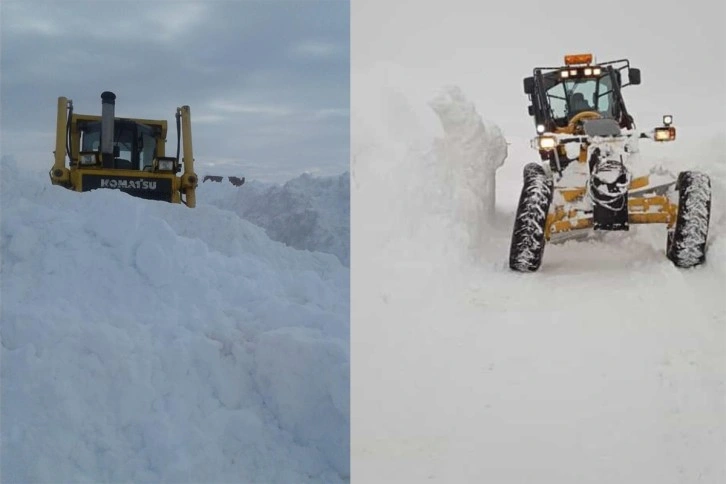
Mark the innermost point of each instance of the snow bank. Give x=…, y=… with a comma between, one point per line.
x=470, y=154
x=433, y=180
x=604, y=366
x=308, y=212
x=147, y=342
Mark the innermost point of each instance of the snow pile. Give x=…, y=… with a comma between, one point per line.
x=307, y=212
x=604, y=366
x=470, y=153
x=423, y=187
x=148, y=342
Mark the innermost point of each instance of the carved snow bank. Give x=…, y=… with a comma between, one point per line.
x=469, y=155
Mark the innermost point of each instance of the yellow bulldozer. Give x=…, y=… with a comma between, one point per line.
x=128, y=154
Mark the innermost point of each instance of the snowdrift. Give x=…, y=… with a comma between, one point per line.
x=147, y=342
x=605, y=366
x=308, y=212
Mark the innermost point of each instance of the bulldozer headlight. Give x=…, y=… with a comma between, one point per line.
x=540, y=128
x=667, y=120
x=166, y=165
x=89, y=158
x=546, y=142
x=665, y=134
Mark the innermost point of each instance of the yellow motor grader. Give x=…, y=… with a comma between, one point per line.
x=587, y=175
x=125, y=154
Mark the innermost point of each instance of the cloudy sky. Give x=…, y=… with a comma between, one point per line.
x=487, y=48
x=267, y=81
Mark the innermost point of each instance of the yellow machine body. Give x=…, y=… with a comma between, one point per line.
x=590, y=177
x=647, y=204
x=145, y=171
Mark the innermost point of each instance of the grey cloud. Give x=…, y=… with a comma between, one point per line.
x=258, y=74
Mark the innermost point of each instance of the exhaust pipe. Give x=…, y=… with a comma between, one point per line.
x=108, y=106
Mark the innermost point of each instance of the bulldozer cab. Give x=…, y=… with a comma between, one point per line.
x=560, y=95
x=134, y=144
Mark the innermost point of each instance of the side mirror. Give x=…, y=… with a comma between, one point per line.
x=116, y=151
x=529, y=85
x=634, y=76
x=530, y=109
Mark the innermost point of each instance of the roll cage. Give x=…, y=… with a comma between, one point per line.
x=553, y=95
x=134, y=143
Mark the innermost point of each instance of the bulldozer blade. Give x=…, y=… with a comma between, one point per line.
x=234, y=180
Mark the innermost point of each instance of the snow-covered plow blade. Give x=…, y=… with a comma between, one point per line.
x=588, y=180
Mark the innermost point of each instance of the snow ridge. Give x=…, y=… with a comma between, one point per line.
x=470, y=154
x=308, y=212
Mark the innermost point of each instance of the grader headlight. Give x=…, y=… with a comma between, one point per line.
x=665, y=134
x=546, y=143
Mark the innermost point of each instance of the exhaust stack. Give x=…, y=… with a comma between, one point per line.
x=108, y=106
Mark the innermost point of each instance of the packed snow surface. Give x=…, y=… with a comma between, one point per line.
x=608, y=365
x=149, y=342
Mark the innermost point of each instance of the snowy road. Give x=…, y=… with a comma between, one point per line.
x=606, y=366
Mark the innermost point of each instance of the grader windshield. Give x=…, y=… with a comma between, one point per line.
x=568, y=97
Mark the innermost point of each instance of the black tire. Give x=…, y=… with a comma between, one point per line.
x=528, y=236
x=686, y=243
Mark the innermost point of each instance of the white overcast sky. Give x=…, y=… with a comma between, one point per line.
x=487, y=48
x=267, y=81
